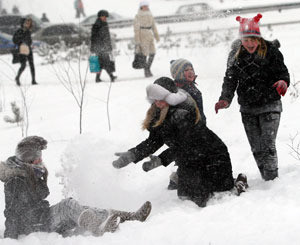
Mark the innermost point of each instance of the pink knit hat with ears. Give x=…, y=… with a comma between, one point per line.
x=249, y=27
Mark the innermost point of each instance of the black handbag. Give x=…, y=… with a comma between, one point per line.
x=16, y=56
x=139, y=61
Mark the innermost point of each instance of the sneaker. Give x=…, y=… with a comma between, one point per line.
x=143, y=212
x=241, y=183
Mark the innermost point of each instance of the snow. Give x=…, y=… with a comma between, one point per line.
x=80, y=165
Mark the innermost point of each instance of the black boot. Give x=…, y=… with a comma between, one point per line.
x=34, y=82
x=112, y=77
x=98, y=78
x=18, y=81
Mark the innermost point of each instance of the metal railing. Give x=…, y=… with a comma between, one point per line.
x=210, y=14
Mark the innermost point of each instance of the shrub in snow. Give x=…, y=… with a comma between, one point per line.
x=294, y=90
x=17, y=117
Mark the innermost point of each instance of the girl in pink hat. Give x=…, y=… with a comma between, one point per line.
x=256, y=71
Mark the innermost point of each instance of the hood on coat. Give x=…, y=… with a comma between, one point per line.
x=11, y=168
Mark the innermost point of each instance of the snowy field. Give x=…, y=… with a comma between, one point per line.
x=80, y=165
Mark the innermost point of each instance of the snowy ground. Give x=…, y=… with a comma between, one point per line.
x=267, y=214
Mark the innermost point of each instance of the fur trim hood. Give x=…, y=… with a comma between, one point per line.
x=11, y=168
x=157, y=92
x=14, y=167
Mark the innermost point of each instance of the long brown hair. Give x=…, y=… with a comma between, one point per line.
x=163, y=113
x=261, y=49
x=151, y=114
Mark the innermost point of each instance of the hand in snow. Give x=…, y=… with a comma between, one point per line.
x=153, y=163
x=124, y=159
x=281, y=87
x=221, y=104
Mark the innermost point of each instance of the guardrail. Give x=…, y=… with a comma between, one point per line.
x=210, y=14
x=218, y=29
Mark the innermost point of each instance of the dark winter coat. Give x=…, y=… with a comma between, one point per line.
x=196, y=95
x=100, y=38
x=23, y=35
x=26, y=209
x=253, y=76
x=203, y=161
x=101, y=45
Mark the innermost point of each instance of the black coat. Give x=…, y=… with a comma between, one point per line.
x=100, y=38
x=253, y=77
x=203, y=161
x=22, y=36
x=196, y=95
x=101, y=45
x=26, y=209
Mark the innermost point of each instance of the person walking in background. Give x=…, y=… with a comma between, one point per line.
x=26, y=207
x=256, y=70
x=22, y=38
x=15, y=10
x=144, y=30
x=204, y=164
x=183, y=73
x=44, y=18
x=101, y=45
x=78, y=5
x=3, y=12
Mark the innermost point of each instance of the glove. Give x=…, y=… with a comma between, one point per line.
x=281, y=87
x=221, y=104
x=124, y=159
x=154, y=162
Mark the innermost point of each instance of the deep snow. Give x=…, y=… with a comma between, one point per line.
x=267, y=214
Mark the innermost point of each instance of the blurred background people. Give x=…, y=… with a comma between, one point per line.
x=22, y=38
x=101, y=45
x=144, y=33
x=15, y=10
x=44, y=18
x=78, y=5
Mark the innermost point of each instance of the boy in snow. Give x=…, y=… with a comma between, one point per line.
x=256, y=70
x=184, y=75
x=173, y=119
x=27, y=211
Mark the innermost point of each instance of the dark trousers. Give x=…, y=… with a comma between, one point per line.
x=23, y=59
x=201, y=177
x=106, y=63
x=261, y=131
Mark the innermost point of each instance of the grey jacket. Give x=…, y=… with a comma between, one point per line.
x=26, y=210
